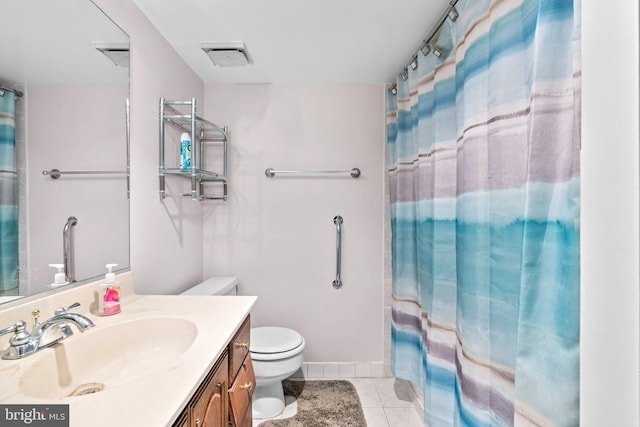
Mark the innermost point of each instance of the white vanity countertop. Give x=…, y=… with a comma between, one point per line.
x=152, y=400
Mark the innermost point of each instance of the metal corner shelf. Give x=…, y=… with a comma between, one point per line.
x=201, y=131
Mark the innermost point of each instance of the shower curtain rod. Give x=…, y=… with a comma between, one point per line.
x=6, y=89
x=427, y=41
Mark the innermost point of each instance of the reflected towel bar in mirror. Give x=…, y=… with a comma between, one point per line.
x=270, y=173
x=55, y=173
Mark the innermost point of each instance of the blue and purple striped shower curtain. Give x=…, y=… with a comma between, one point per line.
x=8, y=196
x=483, y=164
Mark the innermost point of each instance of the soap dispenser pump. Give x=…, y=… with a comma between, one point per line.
x=109, y=294
x=59, y=278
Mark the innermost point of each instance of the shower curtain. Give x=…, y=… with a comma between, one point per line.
x=8, y=196
x=483, y=164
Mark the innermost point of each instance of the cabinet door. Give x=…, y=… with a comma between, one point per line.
x=239, y=349
x=240, y=394
x=210, y=408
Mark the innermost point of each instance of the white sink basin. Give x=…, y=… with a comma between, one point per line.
x=103, y=358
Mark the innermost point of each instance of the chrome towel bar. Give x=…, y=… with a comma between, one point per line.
x=55, y=173
x=338, y=222
x=270, y=173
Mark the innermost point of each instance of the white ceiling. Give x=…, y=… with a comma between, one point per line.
x=298, y=41
x=52, y=42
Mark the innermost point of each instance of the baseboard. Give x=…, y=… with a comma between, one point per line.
x=318, y=370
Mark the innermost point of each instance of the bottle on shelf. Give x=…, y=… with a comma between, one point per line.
x=185, y=151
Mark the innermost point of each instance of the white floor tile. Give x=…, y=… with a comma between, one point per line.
x=396, y=394
x=386, y=381
x=403, y=417
x=375, y=417
x=369, y=397
x=363, y=382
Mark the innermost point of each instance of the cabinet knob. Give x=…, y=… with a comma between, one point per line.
x=198, y=422
x=247, y=386
x=242, y=345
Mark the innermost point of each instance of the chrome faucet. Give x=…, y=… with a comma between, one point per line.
x=23, y=344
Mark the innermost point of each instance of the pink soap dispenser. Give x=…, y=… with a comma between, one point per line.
x=109, y=294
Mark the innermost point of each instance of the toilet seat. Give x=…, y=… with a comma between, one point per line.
x=272, y=343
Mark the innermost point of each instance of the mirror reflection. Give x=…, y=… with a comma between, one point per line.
x=62, y=107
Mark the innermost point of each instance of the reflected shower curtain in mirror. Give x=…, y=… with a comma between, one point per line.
x=483, y=150
x=8, y=195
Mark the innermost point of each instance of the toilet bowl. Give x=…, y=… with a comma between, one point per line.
x=276, y=353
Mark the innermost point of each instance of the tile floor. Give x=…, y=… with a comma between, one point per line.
x=386, y=402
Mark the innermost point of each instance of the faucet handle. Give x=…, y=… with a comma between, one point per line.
x=61, y=310
x=17, y=327
x=20, y=336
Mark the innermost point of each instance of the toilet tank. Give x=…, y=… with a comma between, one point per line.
x=215, y=286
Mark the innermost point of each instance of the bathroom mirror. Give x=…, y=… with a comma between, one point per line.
x=71, y=117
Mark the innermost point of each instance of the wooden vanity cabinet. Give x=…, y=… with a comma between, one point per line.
x=224, y=397
x=241, y=377
x=208, y=407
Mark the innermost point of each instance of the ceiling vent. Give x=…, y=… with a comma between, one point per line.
x=118, y=53
x=232, y=54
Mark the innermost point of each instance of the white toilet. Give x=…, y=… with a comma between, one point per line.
x=276, y=353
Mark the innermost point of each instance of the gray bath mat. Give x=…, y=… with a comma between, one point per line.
x=326, y=403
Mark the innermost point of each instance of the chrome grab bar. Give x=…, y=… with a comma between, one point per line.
x=337, y=220
x=56, y=173
x=270, y=172
x=128, y=139
x=67, y=250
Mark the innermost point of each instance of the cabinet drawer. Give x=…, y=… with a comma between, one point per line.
x=210, y=402
x=239, y=348
x=241, y=392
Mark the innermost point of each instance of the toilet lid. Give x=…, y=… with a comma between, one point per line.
x=271, y=339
